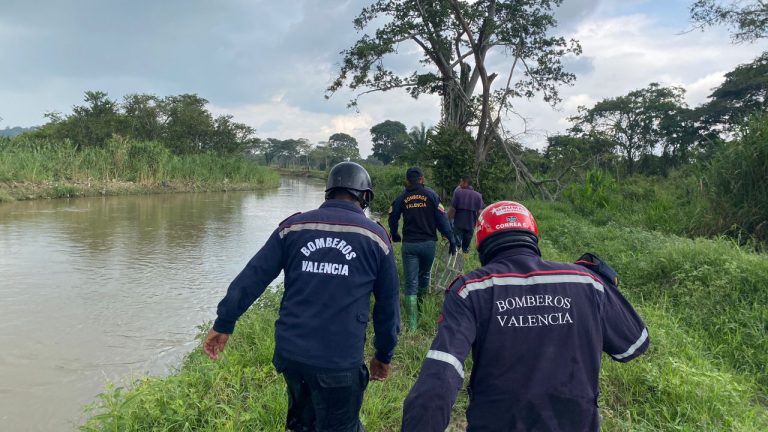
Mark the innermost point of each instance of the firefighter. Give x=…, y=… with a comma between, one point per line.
x=536, y=329
x=465, y=207
x=422, y=216
x=333, y=257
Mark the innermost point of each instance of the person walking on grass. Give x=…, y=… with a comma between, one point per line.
x=536, y=329
x=422, y=216
x=465, y=207
x=333, y=257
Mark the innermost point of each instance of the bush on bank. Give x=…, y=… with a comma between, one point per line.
x=705, y=303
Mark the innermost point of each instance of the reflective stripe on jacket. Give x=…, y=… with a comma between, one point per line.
x=536, y=330
x=334, y=258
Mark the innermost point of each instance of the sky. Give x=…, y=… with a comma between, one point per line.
x=268, y=62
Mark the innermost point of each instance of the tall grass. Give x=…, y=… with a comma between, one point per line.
x=705, y=303
x=146, y=163
x=739, y=182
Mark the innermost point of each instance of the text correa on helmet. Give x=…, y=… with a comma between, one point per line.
x=505, y=224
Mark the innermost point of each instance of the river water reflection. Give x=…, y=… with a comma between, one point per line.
x=98, y=289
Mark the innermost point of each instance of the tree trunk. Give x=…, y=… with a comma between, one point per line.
x=456, y=107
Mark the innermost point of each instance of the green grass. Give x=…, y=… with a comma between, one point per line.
x=705, y=303
x=65, y=171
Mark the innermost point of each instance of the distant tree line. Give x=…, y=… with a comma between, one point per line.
x=300, y=153
x=14, y=131
x=182, y=123
x=652, y=130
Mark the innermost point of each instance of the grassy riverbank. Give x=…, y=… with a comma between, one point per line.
x=705, y=303
x=31, y=169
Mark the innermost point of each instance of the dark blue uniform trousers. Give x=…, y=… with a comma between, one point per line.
x=323, y=400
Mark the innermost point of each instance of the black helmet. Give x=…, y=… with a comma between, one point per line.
x=352, y=178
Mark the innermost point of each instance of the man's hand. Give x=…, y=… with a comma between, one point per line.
x=214, y=343
x=452, y=248
x=379, y=370
x=396, y=238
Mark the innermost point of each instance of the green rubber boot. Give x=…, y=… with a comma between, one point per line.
x=412, y=311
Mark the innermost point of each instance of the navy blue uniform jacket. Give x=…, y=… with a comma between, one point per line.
x=422, y=215
x=334, y=258
x=536, y=330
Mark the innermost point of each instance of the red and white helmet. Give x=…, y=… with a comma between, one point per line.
x=504, y=216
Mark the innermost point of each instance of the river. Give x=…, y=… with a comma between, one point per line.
x=108, y=289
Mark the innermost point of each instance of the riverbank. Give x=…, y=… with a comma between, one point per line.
x=308, y=173
x=35, y=169
x=19, y=191
x=704, y=302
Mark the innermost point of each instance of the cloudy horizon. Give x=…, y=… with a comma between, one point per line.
x=269, y=63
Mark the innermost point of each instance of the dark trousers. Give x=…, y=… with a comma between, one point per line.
x=417, y=265
x=463, y=237
x=323, y=400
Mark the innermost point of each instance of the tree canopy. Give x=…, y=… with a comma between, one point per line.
x=635, y=123
x=342, y=147
x=390, y=141
x=747, y=19
x=182, y=123
x=743, y=93
x=455, y=40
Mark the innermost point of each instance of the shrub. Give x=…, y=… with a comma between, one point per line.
x=595, y=195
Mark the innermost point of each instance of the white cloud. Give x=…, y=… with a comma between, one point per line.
x=699, y=90
x=281, y=119
x=268, y=63
x=628, y=53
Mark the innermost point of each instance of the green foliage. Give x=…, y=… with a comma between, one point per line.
x=703, y=300
x=743, y=93
x=597, y=193
x=639, y=122
x=181, y=123
x=65, y=191
x=748, y=19
x=6, y=197
x=342, y=147
x=739, y=182
x=496, y=179
x=24, y=159
x=564, y=151
x=388, y=182
x=148, y=161
x=285, y=151
x=454, y=38
x=451, y=150
x=390, y=141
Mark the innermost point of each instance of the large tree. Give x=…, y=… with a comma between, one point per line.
x=456, y=39
x=390, y=141
x=188, y=125
x=91, y=125
x=142, y=113
x=636, y=123
x=747, y=19
x=342, y=147
x=744, y=92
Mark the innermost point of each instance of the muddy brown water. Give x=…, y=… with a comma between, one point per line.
x=109, y=289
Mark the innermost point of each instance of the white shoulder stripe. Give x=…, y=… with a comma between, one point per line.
x=336, y=228
x=529, y=280
x=448, y=358
x=634, y=346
